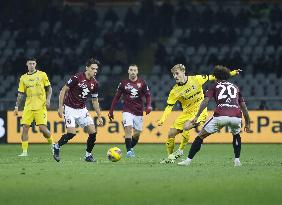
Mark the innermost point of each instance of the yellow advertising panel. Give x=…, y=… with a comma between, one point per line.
x=266, y=126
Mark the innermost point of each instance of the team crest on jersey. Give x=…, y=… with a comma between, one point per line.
x=139, y=85
x=92, y=86
x=128, y=86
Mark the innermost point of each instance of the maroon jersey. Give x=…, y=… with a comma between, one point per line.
x=80, y=89
x=133, y=93
x=227, y=97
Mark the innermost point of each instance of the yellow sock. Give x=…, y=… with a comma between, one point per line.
x=50, y=140
x=170, y=145
x=185, y=139
x=24, y=146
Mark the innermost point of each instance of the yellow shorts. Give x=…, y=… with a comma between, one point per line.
x=180, y=121
x=39, y=116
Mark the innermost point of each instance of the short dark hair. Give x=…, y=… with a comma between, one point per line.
x=133, y=65
x=31, y=59
x=91, y=61
x=221, y=72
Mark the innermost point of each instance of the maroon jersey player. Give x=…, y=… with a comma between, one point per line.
x=133, y=91
x=72, y=105
x=228, y=112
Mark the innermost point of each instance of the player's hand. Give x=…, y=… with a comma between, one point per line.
x=238, y=71
x=148, y=110
x=111, y=116
x=247, y=129
x=16, y=111
x=194, y=121
x=160, y=123
x=60, y=112
x=47, y=103
x=100, y=121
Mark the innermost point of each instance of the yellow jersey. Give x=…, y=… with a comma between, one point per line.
x=190, y=94
x=33, y=85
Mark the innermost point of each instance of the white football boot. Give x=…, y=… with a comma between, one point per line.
x=185, y=162
x=237, y=162
x=23, y=154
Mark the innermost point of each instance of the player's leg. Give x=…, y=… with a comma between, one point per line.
x=26, y=121
x=137, y=129
x=85, y=120
x=135, y=137
x=90, y=143
x=235, y=127
x=211, y=126
x=188, y=126
x=24, y=141
x=41, y=120
x=170, y=142
x=127, y=121
x=71, y=132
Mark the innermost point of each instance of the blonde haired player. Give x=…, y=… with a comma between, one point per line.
x=189, y=92
x=36, y=86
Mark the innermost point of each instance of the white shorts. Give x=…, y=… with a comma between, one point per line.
x=129, y=119
x=77, y=116
x=214, y=124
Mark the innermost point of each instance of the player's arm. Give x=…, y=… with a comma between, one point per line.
x=97, y=109
x=48, y=89
x=246, y=117
x=204, y=78
x=166, y=113
x=114, y=102
x=203, y=106
x=18, y=102
x=171, y=100
x=48, y=95
x=61, y=100
x=21, y=94
x=148, y=99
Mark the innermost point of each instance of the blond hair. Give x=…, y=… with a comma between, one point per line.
x=180, y=67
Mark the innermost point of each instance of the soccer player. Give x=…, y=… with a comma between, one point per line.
x=228, y=112
x=36, y=86
x=133, y=90
x=72, y=105
x=189, y=92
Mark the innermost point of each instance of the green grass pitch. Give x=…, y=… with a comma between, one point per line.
x=211, y=179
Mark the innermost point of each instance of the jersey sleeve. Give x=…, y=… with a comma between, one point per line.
x=204, y=78
x=46, y=81
x=172, y=98
x=210, y=92
x=94, y=93
x=72, y=81
x=21, y=88
x=147, y=94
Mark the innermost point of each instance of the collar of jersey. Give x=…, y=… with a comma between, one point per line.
x=31, y=73
x=183, y=83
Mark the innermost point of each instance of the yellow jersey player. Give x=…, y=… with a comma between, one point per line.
x=36, y=86
x=189, y=92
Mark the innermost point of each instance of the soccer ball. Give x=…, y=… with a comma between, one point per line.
x=114, y=154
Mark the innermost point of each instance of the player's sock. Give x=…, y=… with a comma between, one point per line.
x=65, y=138
x=24, y=146
x=50, y=140
x=128, y=144
x=185, y=139
x=170, y=145
x=196, y=146
x=134, y=141
x=91, y=142
x=237, y=145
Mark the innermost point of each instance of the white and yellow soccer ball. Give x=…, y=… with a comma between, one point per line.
x=114, y=154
